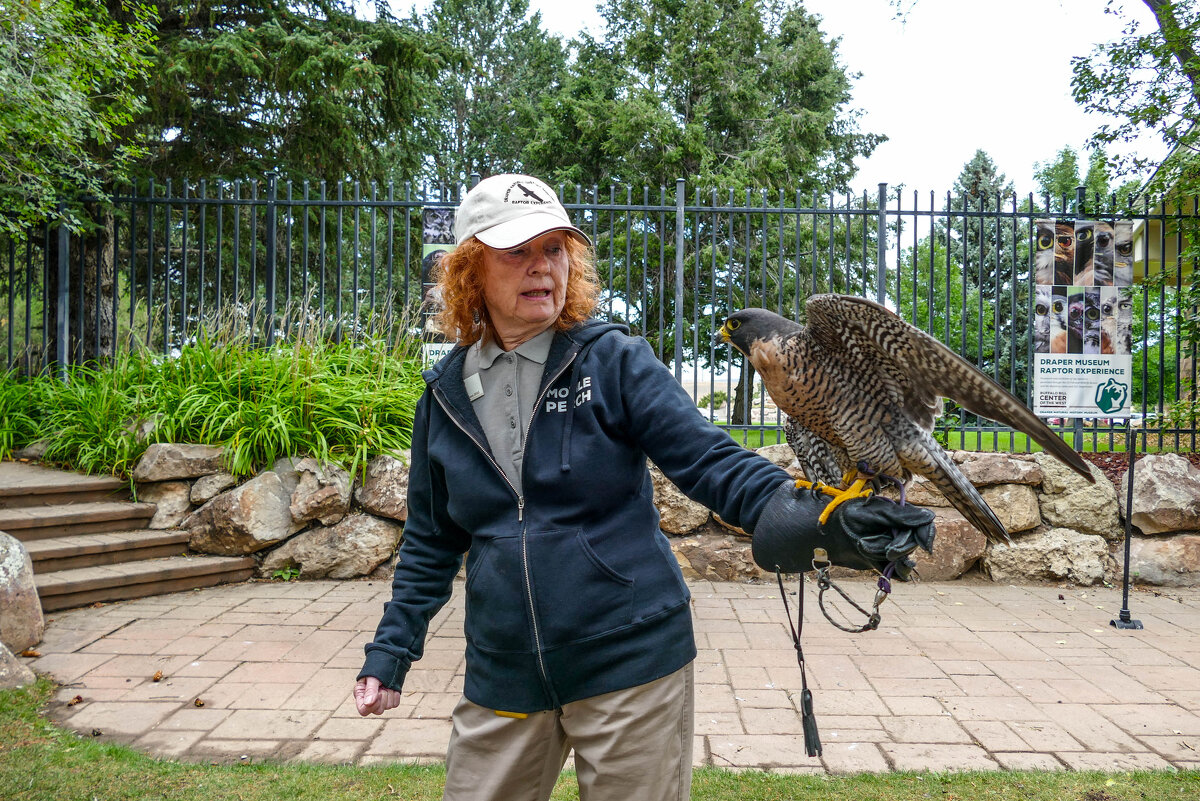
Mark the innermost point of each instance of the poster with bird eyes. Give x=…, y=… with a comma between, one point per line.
x=1082, y=318
x=437, y=238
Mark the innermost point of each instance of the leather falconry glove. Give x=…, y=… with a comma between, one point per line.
x=862, y=533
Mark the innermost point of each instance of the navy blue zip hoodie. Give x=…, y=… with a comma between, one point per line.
x=572, y=589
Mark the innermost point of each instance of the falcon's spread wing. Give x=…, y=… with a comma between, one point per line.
x=864, y=387
x=918, y=371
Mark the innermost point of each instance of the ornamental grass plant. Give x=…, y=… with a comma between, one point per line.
x=338, y=401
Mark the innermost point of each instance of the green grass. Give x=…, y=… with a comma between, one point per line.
x=757, y=437
x=42, y=762
x=340, y=403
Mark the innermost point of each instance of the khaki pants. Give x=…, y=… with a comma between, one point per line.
x=633, y=744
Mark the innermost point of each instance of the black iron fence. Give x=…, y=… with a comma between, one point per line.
x=277, y=259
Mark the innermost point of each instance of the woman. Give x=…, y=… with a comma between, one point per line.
x=529, y=453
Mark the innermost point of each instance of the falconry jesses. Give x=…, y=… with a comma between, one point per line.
x=862, y=389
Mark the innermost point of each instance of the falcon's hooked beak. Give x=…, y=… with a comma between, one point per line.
x=722, y=335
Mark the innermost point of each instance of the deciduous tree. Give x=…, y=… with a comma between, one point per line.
x=68, y=76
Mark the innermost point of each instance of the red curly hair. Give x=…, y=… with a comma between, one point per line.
x=464, y=316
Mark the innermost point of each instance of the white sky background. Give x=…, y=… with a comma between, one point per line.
x=952, y=77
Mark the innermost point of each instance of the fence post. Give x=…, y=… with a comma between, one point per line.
x=269, y=322
x=680, y=192
x=62, y=311
x=1077, y=422
x=881, y=246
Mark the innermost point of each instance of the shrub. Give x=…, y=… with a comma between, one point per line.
x=342, y=403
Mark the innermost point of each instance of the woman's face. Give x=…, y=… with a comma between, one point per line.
x=525, y=287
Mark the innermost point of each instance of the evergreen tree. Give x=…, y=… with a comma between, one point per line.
x=484, y=109
x=976, y=256
x=727, y=93
x=299, y=86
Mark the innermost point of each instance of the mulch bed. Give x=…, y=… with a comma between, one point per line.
x=1115, y=465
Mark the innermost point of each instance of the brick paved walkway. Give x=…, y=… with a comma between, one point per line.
x=959, y=676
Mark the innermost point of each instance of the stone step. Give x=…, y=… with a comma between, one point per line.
x=65, y=589
x=29, y=523
x=109, y=548
x=23, y=485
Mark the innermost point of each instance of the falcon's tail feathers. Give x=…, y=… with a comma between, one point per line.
x=929, y=459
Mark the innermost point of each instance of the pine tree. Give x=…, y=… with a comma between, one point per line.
x=300, y=86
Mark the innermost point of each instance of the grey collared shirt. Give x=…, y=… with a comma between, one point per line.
x=503, y=386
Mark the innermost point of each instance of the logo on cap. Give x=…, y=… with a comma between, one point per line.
x=527, y=197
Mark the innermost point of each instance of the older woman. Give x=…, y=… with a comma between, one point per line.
x=529, y=453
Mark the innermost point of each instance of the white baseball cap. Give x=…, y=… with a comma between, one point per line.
x=508, y=210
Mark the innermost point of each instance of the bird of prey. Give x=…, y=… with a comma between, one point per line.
x=863, y=389
x=1043, y=300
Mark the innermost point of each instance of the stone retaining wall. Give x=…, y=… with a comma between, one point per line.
x=315, y=521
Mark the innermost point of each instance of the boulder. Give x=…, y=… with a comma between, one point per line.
x=322, y=492
x=716, y=557
x=173, y=499
x=782, y=455
x=13, y=673
x=142, y=427
x=208, y=487
x=1069, y=501
x=922, y=492
x=170, y=462
x=1166, y=494
x=21, y=621
x=1165, y=561
x=957, y=546
x=737, y=530
x=679, y=514
x=243, y=520
x=986, y=469
x=288, y=474
x=1056, y=554
x=354, y=547
x=384, y=491
x=1015, y=504
x=32, y=452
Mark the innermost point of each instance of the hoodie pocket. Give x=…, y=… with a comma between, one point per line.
x=497, y=609
x=578, y=595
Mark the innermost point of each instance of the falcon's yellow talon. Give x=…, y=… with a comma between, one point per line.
x=855, y=490
x=818, y=486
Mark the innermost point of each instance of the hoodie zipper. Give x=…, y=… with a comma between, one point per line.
x=537, y=632
x=486, y=452
x=537, y=635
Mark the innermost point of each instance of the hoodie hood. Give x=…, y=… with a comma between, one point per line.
x=579, y=336
x=445, y=379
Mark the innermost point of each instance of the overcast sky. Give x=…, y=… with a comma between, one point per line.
x=952, y=77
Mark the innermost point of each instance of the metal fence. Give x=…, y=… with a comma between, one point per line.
x=279, y=259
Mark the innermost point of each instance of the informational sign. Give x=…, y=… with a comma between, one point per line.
x=437, y=236
x=1083, y=318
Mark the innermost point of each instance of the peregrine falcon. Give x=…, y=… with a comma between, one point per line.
x=863, y=389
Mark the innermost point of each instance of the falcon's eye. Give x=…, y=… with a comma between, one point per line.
x=1084, y=235
x=733, y=325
